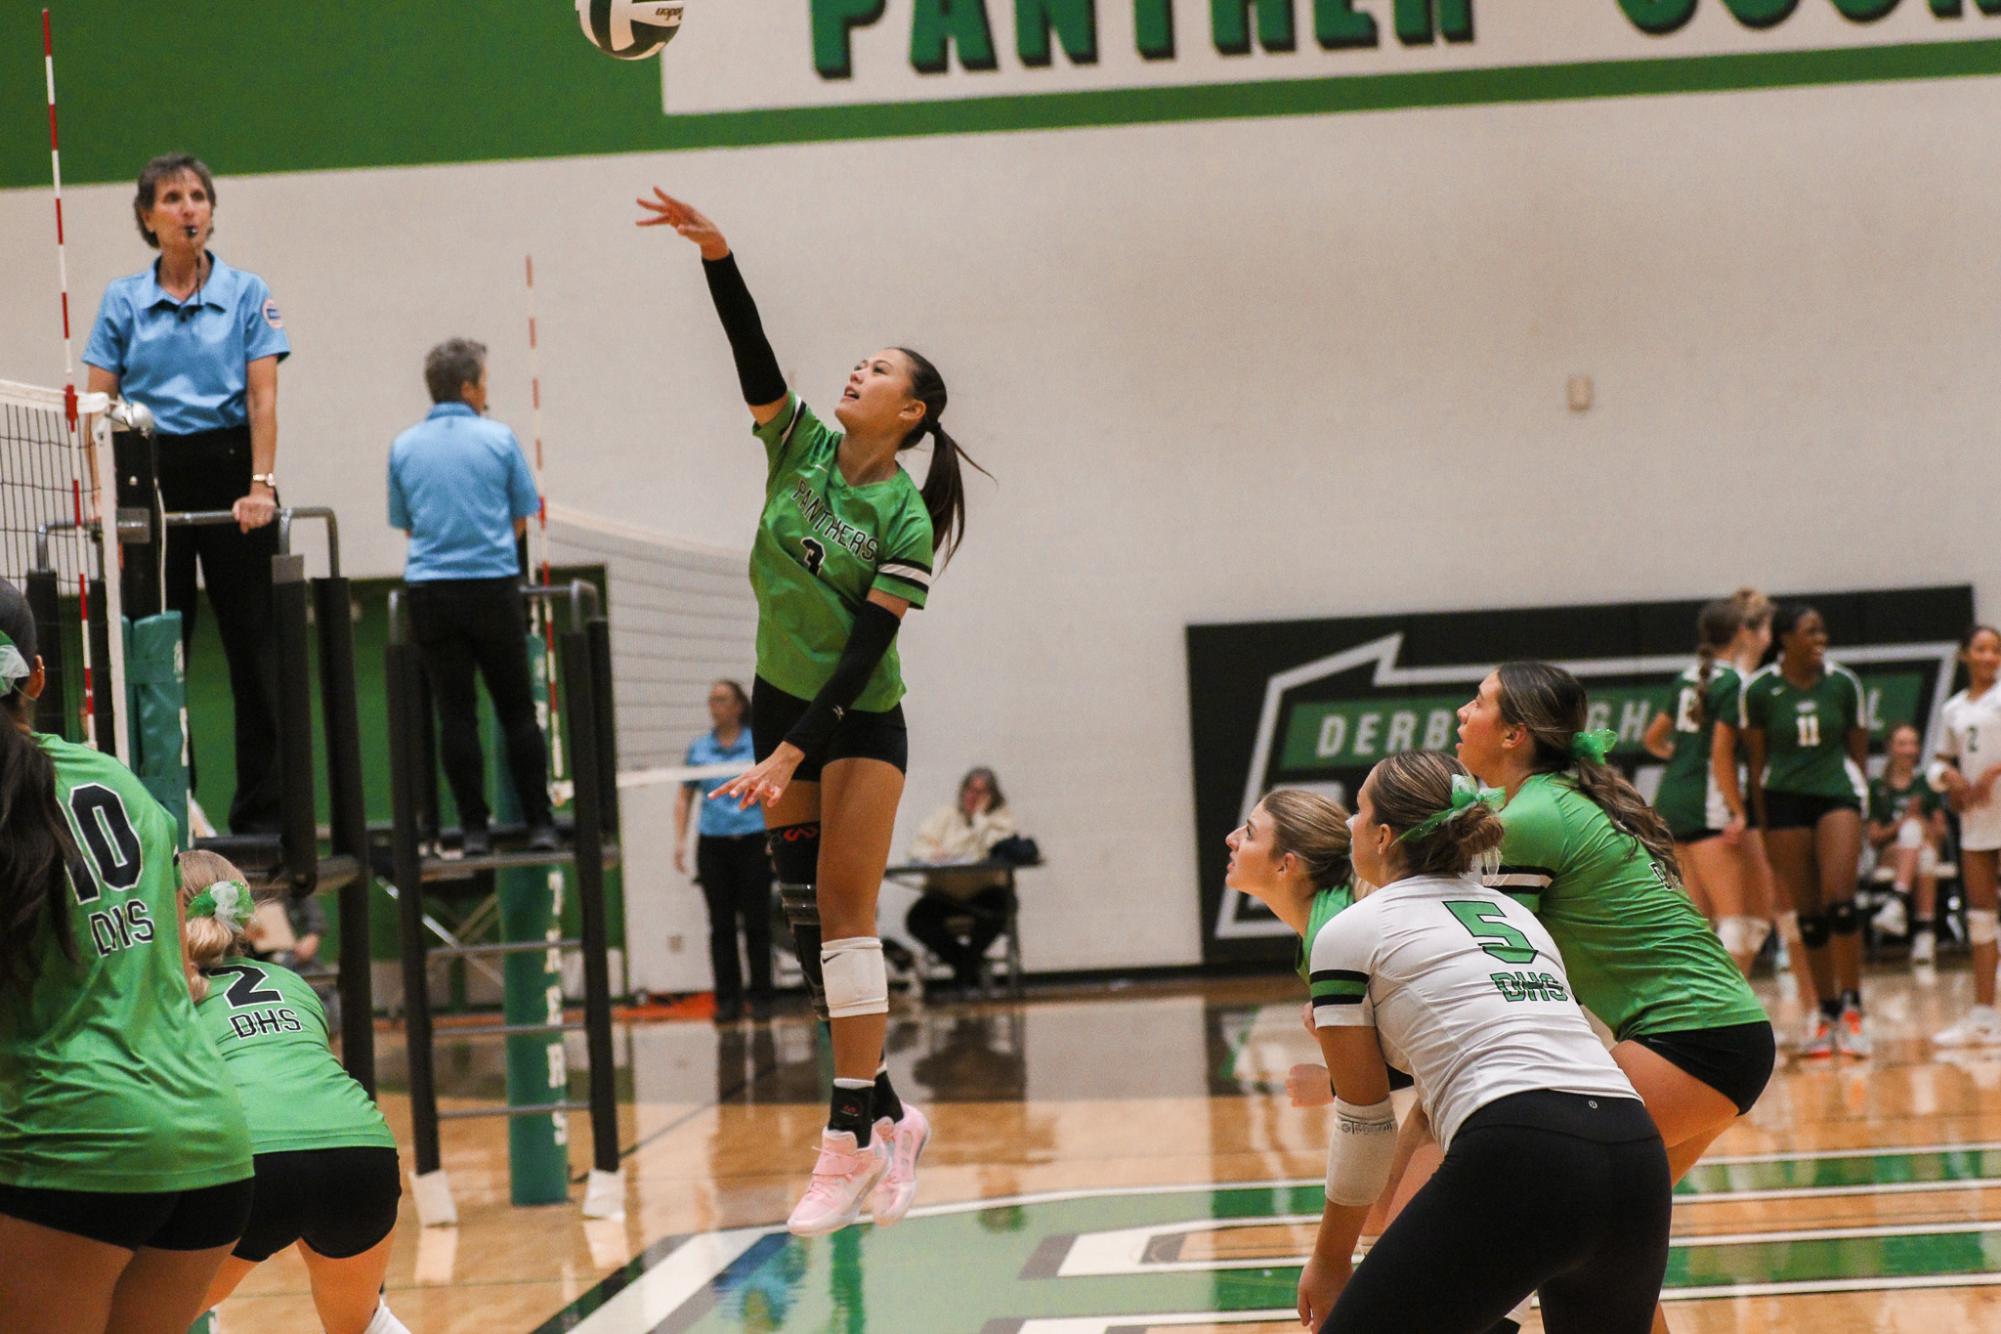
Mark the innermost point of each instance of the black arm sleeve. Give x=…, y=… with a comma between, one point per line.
x=875, y=627
x=756, y=365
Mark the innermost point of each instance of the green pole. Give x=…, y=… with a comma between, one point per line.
x=532, y=993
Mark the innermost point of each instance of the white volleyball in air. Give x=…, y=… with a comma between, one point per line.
x=630, y=29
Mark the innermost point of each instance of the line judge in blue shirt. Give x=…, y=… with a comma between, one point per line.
x=459, y=485
x=199, y=343
x=731, y=864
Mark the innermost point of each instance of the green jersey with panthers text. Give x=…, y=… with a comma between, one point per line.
x=272, y=1033
x=1806, y=732
x=1639, y=955
x=106, y=1081
x=822, y=546
x=1688, y=798
x=1327, y=905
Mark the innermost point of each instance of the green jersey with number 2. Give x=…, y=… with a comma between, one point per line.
x=1639, y=955
x=821, y=547
x=106, y=1082
x=272, y=1033
x=1806, y=732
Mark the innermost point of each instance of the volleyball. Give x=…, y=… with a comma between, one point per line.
x=630, y=29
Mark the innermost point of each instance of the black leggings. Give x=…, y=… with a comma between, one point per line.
x=465, y=624
x=735, y=874
x=1554, y=1193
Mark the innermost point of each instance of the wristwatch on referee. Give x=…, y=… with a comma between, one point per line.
x=269, y=479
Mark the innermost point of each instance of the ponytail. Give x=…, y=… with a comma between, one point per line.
x=1715, y=631
x=213, y=936
x=1550, y=703
x=944, y=489
x=37, y=853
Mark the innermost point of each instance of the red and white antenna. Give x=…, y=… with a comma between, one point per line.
x=69, y=384
x=545, y=614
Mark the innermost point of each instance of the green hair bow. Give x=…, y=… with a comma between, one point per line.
x=1466, y=794
x=228, y=901
x=1594, y=745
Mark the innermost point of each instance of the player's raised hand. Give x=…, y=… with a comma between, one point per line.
x=663, y=210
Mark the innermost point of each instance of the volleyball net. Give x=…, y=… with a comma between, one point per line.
x=682, y=616
x=50, y=546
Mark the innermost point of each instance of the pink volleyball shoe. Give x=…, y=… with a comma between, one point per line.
x=897, y=1190
x=843, y=1176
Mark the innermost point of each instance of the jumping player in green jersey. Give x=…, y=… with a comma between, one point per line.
x=124, y=1159
x=1716, y=866
x=1596, y=864
x=845, y=546
x=1806, y=733
x=1907, y=831
x=327, y=1174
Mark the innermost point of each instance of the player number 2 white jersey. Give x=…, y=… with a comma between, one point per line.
x=1970, y=739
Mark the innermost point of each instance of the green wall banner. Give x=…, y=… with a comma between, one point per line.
x=1316, y=703
x=269, y=88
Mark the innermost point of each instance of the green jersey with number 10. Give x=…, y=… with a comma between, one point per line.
x=821, y=547
x=106, y=1082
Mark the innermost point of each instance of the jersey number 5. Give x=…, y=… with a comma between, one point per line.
x=1487, y=922
x=816, y=555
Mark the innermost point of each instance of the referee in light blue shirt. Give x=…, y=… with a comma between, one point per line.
x=460, y=487
x=199, y=343
x=731, y=863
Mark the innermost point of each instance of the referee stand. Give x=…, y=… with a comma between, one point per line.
x=528, y=885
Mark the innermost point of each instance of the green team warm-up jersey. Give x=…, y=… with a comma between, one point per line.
x=1888, y=801
x=1327, y=905
x=821, y=546
x=1806, y=732
x=106, y=1081
x=1639, y=955
x=272, y=1033
x=1688, y=798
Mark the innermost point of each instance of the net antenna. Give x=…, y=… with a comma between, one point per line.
x=538, y=549
x=86, y=414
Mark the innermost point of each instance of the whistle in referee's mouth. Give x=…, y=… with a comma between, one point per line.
x=192, y=232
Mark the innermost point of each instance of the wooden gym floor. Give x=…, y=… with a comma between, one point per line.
x=1126, y=1161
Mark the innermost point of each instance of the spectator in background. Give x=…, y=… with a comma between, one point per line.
x=731, y=864
x=1907, y=831
x=460, y=487
x=964, y=832
x=199, y=343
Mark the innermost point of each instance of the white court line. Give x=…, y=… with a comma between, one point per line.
x=1121, y=1252
x=646, y=1302
x=1104, y=1324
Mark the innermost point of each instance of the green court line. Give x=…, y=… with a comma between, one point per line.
x=1971, y=1165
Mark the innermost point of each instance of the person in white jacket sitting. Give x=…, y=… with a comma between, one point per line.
x=959, y=834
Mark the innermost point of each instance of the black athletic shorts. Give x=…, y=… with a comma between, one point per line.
x=1554, y=1193
x=1800, y=810
x=174, y=1220
x=1694, y=835
x=858, y=736
x=1735, y=1060
x=340, y=1202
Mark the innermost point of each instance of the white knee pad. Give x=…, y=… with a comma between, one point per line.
x=1743, y=935
x=1363, y=1150
x=1983, y=925
x=385, y=1323
x=853, y=973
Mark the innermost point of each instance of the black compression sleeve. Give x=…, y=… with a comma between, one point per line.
x=875, y=627
x=756, y=365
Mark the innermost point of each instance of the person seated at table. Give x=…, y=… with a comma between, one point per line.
x=976, y=901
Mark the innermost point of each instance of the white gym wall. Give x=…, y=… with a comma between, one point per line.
x=1220, y=370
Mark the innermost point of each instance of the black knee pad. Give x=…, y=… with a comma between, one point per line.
x=795, y=852
x=1814, y=930
x=1842, y=919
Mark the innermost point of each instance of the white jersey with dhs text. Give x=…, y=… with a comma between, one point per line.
x=1971, y=739
x=1465, y=990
